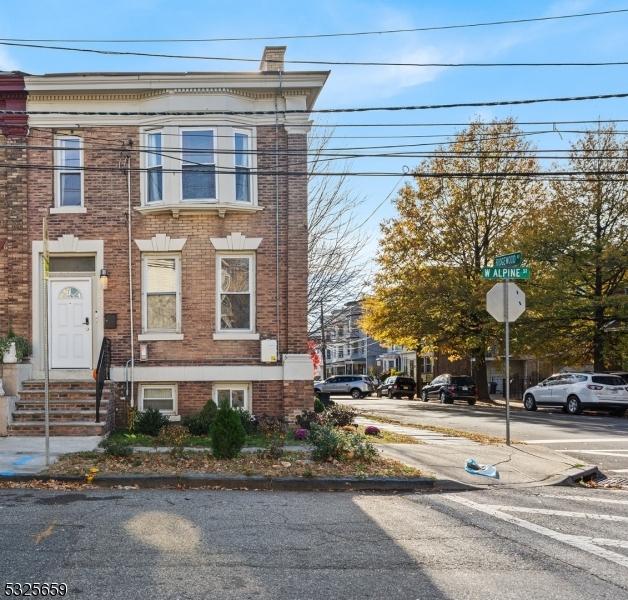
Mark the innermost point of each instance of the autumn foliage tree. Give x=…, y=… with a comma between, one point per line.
x=466, y=204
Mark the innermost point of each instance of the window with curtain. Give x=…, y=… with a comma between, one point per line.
x=162, y=398
x=236, y=293
x=154, y=166
x=242, y=168
x=161, y=297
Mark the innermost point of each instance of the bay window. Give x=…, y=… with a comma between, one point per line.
x=235, y=285
x=199, y=168
x=154, y=168
x=69, y=163
x=242, y=174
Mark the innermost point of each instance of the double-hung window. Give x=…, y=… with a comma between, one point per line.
x=236, y=395
x=160, y=397
x=154, y=168
x=161, y=293
x=236, y=293
x=199, y=165
x=69, y=163
x=242, y=167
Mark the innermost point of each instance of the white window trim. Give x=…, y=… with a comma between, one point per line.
x=252, y=292
x=214, y=130
x=58, y=207
x=175, y=400
x=156, y=334
x=145, y=178
x=228, y=385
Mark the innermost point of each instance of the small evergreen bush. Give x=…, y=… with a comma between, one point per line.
x=150, y=422
x=329, y=443
x=228, y=435
x=249, y=422
x=200, y=423
x=319, y=407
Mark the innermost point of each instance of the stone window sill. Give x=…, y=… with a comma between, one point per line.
x=62, y=210
x=158, y=337
x=222, y=208
x=235, y=335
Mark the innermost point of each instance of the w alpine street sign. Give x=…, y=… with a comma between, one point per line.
x=506, y=272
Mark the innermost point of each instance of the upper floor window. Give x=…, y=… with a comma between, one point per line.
x=69, y=163
x=199, y=166
x=236, y=302
x=154, y=168
x=242, y=175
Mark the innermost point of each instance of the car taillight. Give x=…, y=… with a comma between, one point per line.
x=595, y=387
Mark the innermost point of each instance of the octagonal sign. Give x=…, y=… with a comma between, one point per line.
x=495, y=302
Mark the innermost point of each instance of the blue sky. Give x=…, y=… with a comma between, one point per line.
x=592, y=38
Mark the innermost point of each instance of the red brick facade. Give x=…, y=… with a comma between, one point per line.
x=27, y=195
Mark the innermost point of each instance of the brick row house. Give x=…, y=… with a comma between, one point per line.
x=177, y=241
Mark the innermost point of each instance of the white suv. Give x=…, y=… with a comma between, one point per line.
x=576, y=391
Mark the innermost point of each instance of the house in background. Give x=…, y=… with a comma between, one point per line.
x=348, y=349
x=176, y=206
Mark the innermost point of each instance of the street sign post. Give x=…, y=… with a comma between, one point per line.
x=506, y=302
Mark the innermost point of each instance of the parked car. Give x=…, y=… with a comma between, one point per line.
x=357, y=386
x=622, y=374
x=448, y=388
x=397, y=386
x=577, y=391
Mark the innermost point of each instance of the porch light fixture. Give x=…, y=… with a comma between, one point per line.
x=104, y=278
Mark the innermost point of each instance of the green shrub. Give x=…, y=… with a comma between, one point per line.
x=200, y=424
x=173, y=435
x=331, y=443
x=307, y=418
x=339, y=416
x=275, y=429
x=249, y=422
x=118, y=449
x=150, y=422
x=228, y=435
x=319, y=407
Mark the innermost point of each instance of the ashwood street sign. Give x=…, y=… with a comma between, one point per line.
x=506, y=272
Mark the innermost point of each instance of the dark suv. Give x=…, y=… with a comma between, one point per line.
x=448, y=388
x=397, y=386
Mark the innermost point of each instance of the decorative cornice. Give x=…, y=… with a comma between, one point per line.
x=235, y=241
x=161, y=243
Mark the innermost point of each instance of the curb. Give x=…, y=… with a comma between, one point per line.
x=577, y=474
x=243, y=482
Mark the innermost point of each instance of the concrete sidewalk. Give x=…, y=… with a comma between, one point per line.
x=445, y=458
x=22, y=455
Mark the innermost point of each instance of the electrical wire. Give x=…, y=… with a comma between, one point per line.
x=338, y=34
x=299, y=111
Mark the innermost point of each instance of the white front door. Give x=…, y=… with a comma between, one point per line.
x=70, y=324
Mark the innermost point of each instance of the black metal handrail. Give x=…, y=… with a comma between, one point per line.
x=102, y=372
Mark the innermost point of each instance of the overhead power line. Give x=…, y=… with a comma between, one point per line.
x=292, y=111
x=337, y=34
x=330, y=62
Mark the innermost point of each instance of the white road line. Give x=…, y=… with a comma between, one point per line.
x=579, y=542
x=618, y=470
x=560, y=513
x=621, y=453
x=571, y=440
x=585, y=498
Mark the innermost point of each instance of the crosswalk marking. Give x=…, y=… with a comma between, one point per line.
x=581, y=542
x=572, y=440
x=560, y=513
x=595, y=498
x=621, y=453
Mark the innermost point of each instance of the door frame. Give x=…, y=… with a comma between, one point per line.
x=66, y=245
x=68, y=278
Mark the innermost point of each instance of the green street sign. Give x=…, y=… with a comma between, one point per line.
x=506, y=272
x=508, y=260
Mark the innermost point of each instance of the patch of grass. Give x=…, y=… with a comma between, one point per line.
x=291, y=464
x=481, y=438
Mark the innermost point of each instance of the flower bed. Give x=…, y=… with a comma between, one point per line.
x=296, y=464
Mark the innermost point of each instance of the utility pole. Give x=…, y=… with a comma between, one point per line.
x=323, y=344
x=45, y=278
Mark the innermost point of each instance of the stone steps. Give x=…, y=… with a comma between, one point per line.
x=36, y=428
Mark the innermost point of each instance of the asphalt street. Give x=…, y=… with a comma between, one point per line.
x=591, y=437
x=550, y=543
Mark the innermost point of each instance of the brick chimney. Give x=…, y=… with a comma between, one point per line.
x=272, y=59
